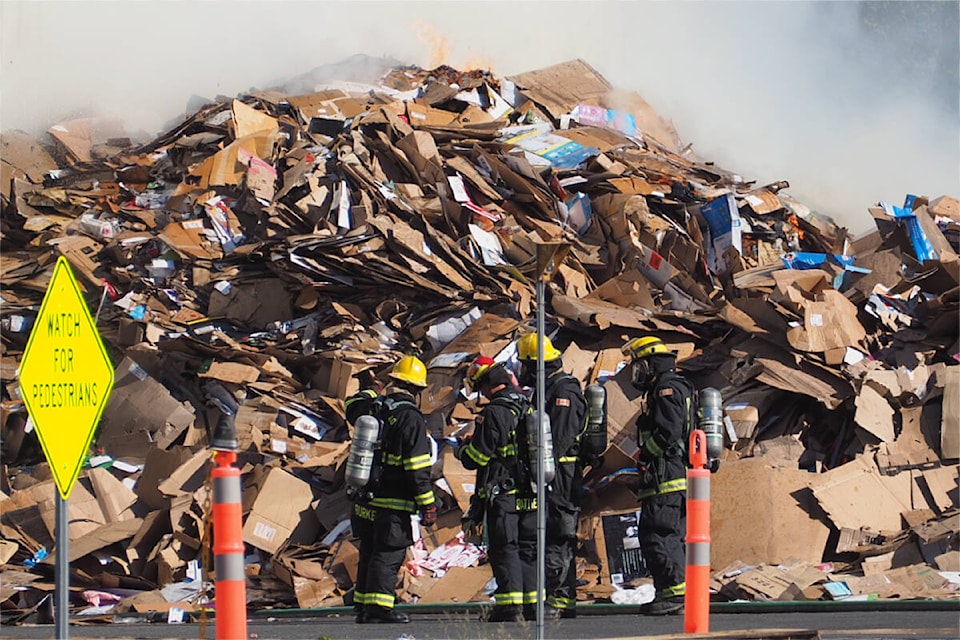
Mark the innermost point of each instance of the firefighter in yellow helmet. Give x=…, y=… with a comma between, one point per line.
x=362, y=516
x=662, y=468
x=403, y=488
x=564, y=403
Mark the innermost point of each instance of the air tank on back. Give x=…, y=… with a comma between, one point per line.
x=549, y=464
x=711, y=423
x=593, y=442
x=366, y=433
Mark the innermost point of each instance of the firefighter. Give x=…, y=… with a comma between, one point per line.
x=662, y=468
x=404, y=488
x=362, y=515
x=564, y=403
x=504, y=485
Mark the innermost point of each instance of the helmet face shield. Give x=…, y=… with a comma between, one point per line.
x=642, y=373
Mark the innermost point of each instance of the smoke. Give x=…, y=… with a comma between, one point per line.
x=851, y=102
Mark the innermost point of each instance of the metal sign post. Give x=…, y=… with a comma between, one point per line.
x=65, y=378
x=541, y=483
x=549, y=257
x=61, y=582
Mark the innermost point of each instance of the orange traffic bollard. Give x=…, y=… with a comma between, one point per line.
x=230, y=589
x=696, y=600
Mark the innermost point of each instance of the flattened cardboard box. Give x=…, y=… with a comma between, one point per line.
x=336, y=377
x=750, y=490
x=623, y=407
x=280, y=513
x=83, y=512
x=142, y=407
x=458, y=584
x=856, y=495
x=949, y=434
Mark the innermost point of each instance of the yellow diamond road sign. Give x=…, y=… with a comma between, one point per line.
x=65, y=377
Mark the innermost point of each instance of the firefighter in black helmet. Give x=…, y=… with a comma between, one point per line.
x=510, y=502
x=564, y=403
x=404, y=488
x=662, y=468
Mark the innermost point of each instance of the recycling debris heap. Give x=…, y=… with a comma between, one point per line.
x=281, y=245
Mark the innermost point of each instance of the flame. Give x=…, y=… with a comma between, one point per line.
x=439, y=46
x=478, y=63
x=440, y=50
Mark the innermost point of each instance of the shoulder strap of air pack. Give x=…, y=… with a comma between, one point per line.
x=690, y=421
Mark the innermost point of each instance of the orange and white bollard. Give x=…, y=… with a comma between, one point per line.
x=696, y=600
x=230, y=589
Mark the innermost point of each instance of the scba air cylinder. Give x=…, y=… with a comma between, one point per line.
x=366, y=432
x=711, y=423
x=549, y=464
x=594, y=439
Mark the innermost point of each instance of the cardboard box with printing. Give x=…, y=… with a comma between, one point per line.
x=281, y=513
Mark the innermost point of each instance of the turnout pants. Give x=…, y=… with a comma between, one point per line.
x=392, y=535
x=361, y=522
x=561, y=559
x=513, y=550
x=663, y=523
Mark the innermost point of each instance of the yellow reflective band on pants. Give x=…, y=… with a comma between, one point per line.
x=384, y=600
x=561, y=603
x=672, y=592
x=507, y=599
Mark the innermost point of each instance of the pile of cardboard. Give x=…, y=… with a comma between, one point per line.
x=281, y=244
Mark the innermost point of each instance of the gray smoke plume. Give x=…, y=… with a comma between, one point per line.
x=851, y=102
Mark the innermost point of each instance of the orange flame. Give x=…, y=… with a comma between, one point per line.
x=440, y=48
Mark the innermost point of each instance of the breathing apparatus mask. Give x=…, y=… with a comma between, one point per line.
x=642, y=374
x=644, y=353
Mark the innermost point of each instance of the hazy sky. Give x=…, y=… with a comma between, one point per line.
x=848, y=110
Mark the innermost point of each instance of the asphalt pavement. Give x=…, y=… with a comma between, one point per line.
x=927, y=620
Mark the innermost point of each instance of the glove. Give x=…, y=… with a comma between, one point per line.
x=428, y=516
x=472, y=531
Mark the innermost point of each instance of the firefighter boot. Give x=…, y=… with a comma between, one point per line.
x=664, y=607
x=505, y=613
x=374, y=614
x=553, y=613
